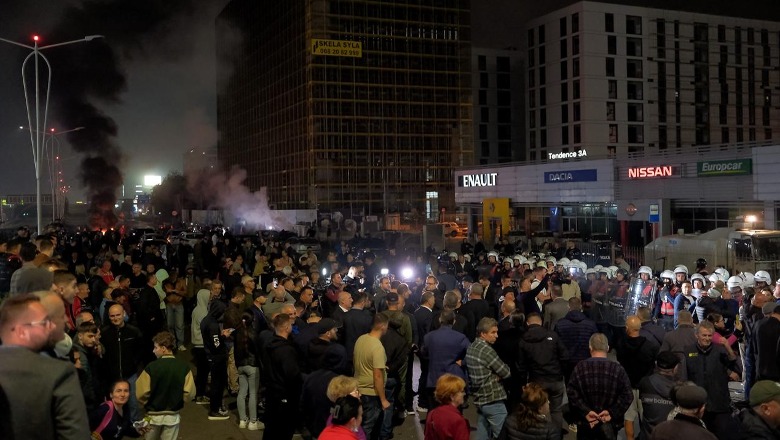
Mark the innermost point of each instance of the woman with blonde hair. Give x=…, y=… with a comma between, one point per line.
x=339, y=387
x=446, y=422
x=531, y=418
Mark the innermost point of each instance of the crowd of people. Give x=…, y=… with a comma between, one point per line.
x=98, y=331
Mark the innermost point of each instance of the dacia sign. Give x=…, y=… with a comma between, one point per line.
x=472, y=180
x=571, y=176
x=737, y=167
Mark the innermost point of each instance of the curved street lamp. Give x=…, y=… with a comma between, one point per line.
x=36, y=135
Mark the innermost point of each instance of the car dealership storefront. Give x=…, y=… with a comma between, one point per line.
x=632, y=199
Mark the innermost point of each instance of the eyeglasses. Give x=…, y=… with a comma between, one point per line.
x=41, y=323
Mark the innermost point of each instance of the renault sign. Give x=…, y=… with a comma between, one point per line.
x=737, y=167
x=471, y=180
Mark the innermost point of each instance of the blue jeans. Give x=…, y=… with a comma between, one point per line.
x=387, y=417
x=132, y=403
x=490, y=420
x=175, y=316
x=372, y=415
x=247, y=383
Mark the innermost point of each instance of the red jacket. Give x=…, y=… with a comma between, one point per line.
x=337, y=432
x=445, y=423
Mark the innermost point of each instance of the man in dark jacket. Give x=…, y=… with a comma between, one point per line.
x=314, y=398
x=711, y=366
x=575, y=330
x=474, y=310
x=445, y=350
x=357, y=322
x=687, y=424
x=122, y=355
x=424, y=320
x=654, y=393
x=636, y=354
x=506, y=349
x=285, y=381
x=650, y=330
x=761, y=421
x=539, y=360
x=680, y=339
x=766, y=333
x=214, y=338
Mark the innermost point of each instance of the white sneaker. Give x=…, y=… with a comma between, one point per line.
x=182, y=348
x=422, y=409
x=242, y=424
x=256, y=425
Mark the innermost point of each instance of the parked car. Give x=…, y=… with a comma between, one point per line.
x=188, y=238
x=539, y=237
x=452, y=229
x=302, y=245
x=571, y=235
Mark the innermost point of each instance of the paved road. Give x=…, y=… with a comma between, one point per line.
x=196, y=425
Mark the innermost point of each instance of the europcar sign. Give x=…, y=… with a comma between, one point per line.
x=737, y=167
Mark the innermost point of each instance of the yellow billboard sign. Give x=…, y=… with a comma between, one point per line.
x=337, y=48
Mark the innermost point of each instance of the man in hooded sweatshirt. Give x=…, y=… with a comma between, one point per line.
x=285, y=381
x=198, y=351
x=314, y=397
x=214, y=338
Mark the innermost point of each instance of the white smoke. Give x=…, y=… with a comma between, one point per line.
x=228, y=193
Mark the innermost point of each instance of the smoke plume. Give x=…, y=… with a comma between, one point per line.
x=228, y=192
x=89, y=77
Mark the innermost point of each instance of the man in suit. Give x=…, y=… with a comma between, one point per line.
x=474, y=310
x=555, y=309
x=357, y=322
x=44, y=394
x=424, y=318
x=344, y=305
x=445, y=349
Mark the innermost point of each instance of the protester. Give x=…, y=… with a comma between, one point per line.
x=531, y=419
x=687, y=424
x=163, y=387
x=446, y=422
x=109, y=420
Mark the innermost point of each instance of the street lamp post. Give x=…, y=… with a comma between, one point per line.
x=49, y=145
x=35, y=134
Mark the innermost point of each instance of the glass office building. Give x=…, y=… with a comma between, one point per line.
x=347, y=104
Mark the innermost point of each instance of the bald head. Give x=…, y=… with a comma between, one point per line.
x=633, y=325
x=507, y=307
x=55, y=311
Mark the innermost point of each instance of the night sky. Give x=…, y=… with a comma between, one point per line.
x=147, y=94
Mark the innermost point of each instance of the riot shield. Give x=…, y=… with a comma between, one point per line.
x=616, y=304
x=641, y=294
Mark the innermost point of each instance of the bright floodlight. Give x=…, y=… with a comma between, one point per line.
x=35, y=38
x=384, y=271
x=751, y=218
x=407, y=273
x=150, y=180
